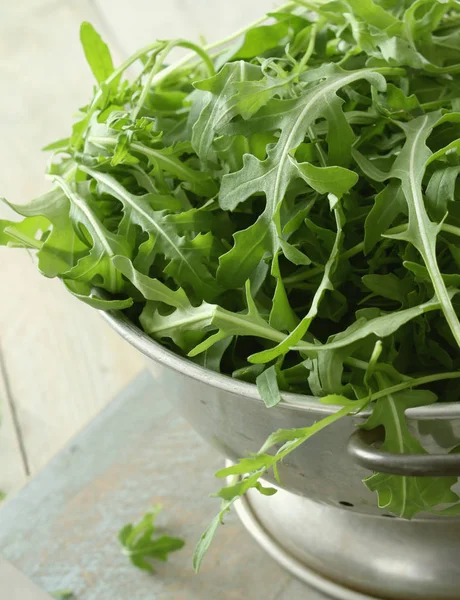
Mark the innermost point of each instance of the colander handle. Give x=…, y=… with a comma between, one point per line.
x=362, y=451
x=440, y=411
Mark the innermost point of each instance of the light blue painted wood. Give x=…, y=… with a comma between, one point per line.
x=61, y=529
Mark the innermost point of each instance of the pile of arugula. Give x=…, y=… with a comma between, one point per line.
x=281, y=207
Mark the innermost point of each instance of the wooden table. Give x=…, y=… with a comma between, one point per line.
x=61, y=529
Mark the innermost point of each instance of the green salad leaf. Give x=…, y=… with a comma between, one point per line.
x=405, y=496
x=63, y=595
x=97, y=52
x=283, y=208
x=142, y=543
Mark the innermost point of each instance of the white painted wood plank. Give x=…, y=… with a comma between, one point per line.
x=15, y=586
x=12, y=471
x=47, y=79
x=139, y=22
x=64, y=363
x=13, y=12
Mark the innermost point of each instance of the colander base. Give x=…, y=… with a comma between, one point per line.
x=345, y=555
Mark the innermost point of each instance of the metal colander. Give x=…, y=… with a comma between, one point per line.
x=324, y=525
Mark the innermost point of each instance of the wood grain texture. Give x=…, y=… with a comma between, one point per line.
x=63, y=362
x=44, y=70
x=61, y=529
x=12, y=468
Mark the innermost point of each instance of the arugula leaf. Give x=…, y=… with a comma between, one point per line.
x=326, y=284
x=257, y=40
x=105, y=245
x=218, y=109
x=57, y=145
x=405, y=496
x=281, y=207
x=62, y=247
x=97, y=52
x=267, y=385
x=410, y=168
x=206, y=539
x=142, y=543
x=273, y=175
x=162, y=236
x=375, y=15
x=251, y=470
x=92, y=296
x=197, y=321
x=388, y=286
x=164, y=159
x=23, y=234
x=381, y=326
x=388, y=205
x=151, y=289
x=440, y=191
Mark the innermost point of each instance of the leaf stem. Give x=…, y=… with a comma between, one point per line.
x=162, y=54
x=164, y=73
x=405, y=385
x=310, y=273
x=30, y=242
x=148, y=83
x=427, y=247
x=444, y=227
x=309, y=5
x=353, y=251
x=436, y=103
x=390, y=71
x=358, y=364
x=117, y=72
x=450, y=229
x=186, y=59
x=311, y=46
x=300, y=436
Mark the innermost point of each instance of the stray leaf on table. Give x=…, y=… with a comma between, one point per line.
x=63, y=595
x=142, y=542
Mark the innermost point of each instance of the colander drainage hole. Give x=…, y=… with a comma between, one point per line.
x=347, y=504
